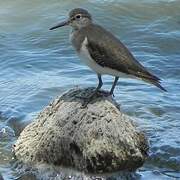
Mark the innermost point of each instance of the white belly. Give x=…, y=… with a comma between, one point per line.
x=86, y=58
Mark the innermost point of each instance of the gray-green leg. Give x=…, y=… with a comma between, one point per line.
x=89, y=98
x=99, y=84
x=114, y=85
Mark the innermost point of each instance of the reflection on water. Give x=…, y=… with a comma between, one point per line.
x=36, y=65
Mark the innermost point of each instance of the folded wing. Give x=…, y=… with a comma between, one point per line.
x=108, y=51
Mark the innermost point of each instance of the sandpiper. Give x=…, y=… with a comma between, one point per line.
x=103, y=52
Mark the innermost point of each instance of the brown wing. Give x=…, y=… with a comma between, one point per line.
x=108, y=51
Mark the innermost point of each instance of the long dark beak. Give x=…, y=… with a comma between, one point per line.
x=64, y=23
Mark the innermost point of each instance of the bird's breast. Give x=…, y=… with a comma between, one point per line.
x=76, y=39
x=89, y=61
x=85, y=56
x=80, y=43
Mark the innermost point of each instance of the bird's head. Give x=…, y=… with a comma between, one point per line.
x=77, y=19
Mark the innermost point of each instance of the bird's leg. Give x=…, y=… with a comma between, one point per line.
x=95, y=91
x=89, y=98
x=114, y=85
x=98, y=87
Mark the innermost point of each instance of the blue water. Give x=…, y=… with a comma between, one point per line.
x=36, y=65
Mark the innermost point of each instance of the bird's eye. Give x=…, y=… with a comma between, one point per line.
x=78, y=16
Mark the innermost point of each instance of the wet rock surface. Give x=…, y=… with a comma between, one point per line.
x=1, y=177
x=95, y=139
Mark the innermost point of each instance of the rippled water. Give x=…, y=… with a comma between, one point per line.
x=36, y=65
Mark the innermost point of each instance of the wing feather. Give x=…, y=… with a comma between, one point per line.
x=108, y=51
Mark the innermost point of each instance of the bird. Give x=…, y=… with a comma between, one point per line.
x=103, y=52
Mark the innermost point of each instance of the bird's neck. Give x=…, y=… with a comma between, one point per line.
x=77, y=36
x=78, y=27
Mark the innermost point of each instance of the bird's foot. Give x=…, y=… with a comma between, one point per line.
x=107, y=94
x=97, y=93
x=81, y=97
x=89, y=98
x=85, y=103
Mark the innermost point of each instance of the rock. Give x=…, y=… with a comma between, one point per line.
x=1, y=177
x=96, y=139
x=27, y=176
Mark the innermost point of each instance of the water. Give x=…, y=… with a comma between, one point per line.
x=36, y=65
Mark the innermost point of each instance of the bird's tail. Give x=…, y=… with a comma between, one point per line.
x=155, y=81
x=149, y=78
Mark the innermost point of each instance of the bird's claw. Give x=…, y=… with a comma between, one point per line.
x=107, y=94
x=81, y=97
x=88, y=99
x=84, y=104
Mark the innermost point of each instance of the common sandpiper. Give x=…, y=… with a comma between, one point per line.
x=103, y=52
